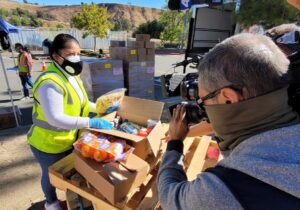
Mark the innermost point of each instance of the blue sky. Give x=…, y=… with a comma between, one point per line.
x=143, y=3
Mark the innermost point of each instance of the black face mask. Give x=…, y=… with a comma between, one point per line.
x=72, y=65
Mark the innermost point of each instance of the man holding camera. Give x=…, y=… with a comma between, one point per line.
x=243, y=86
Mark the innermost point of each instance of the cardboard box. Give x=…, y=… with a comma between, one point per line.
x=138, y=111
x=139, y=79
x=102, y=76
x=142, y=57
x=150, y=58
x=128, y=54
x=151, y=52
x=113, y=180
x=114, y=43
x=136, y=44
x=141, y=51
x=150, y=45
x=143, y=37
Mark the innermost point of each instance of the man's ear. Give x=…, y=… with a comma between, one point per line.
x=229, y=96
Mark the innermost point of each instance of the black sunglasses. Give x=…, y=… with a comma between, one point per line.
x=216, y=92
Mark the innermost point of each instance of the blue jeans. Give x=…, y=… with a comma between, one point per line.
x=45, y=160
x=26, y=80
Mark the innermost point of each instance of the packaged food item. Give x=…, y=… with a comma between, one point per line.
x=129, y=128
x=149, y=130
x=110, y=101
x=143, y=132
x=117, y=122
x=151, y=123
x=102, y=148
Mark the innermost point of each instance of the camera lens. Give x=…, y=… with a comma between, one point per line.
x=194, y=114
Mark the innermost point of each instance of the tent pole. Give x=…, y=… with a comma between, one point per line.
x=13, y=57
x=9, y=90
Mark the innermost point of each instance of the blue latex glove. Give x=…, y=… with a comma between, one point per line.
x=100, y=124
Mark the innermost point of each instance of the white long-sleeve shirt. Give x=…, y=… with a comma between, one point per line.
x=52, y=102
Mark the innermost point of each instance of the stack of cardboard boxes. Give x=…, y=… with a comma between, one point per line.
x=138, y=65
x=102, y=76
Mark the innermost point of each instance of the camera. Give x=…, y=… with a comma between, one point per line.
x=195, y=112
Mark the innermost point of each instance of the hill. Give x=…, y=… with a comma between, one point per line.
x=52, y=15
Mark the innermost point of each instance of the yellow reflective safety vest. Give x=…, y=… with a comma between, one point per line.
x=22, y=62
x=42, y=135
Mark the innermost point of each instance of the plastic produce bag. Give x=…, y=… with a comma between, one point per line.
x=102, y=148
x=110, y=101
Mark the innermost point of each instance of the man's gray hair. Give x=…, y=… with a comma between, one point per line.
x=248, y=61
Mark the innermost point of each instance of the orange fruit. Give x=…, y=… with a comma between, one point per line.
x=85, y=151
x=98, y=156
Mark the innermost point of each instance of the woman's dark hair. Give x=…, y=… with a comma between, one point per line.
x=60, y=42
x=26, y=49
x=19, y=45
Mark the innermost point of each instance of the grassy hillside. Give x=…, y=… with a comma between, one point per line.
x=60, y=16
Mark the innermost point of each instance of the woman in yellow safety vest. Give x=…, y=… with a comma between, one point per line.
x=24, y=67
x=61, y=108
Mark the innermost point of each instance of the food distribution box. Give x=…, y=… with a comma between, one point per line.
x=136, y=44
x=113, y=180
x=150, y=45
x=127, y=54
x=139, y=79
x=139, y=111
x=143, y=37
x=102, y=76
x=114, y=43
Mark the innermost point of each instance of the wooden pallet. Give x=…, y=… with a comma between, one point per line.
x=64, y=177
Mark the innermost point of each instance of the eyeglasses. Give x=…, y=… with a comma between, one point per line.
x=216, y=92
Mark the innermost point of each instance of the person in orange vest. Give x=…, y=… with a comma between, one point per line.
x=25, y=67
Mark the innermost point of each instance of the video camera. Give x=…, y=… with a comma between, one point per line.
x=195, y=112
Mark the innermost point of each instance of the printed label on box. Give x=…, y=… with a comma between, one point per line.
x=117, y=71
x=143, y=64
x=107, y=65
x=150, y=70
x=132, y=52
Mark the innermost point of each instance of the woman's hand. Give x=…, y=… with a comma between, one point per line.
x=100, y=124
x=178, y=125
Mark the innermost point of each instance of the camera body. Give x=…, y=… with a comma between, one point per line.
x=195, y=113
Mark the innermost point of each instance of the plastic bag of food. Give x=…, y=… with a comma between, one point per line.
x=102, y=148
x=110, y=101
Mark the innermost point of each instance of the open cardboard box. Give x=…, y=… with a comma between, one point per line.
x=113, y=180
x=138, y=111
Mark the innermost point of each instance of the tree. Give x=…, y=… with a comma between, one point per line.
x=15, y=20
x=93, y=20
x=25, y=21
x=122, y=25
x=268, y=13
x=154, y=28
x=35, y=22
x=60, y=26
x=3, y=13
x=173, y=26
